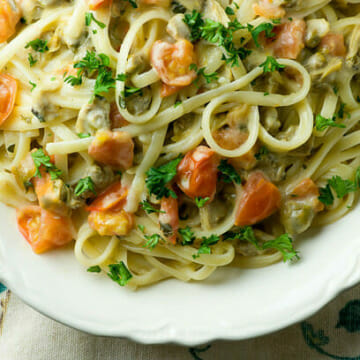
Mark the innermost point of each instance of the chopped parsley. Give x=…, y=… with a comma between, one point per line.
x=131, y=91
x=283, y=243
x=326, y=196
x=141, y=228
x=33, y=86
x=201, y=72
x=149, y=209
x=84, y=185
x=229, y=11
x=322, y=123
x=94, y=269
x=83, y=135
x=179, y=102
x=263, y=151
x=205, y=245
x=178, y=8
x=228, y=173
x=200, y=202
x=152, y=240
x=158, y=178
x=119, y=273
x=342, y=112
x=40, y=159
x=342, y=187
x=187, y=236
x=89, y=17
x=74, y=80
x=121, y=77
x=38, y=45
x=31, y=60
x=271, y=65
x=357, y=177
x=256, y=31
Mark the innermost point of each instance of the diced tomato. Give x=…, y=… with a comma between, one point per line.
x=8, y=90
x=111, y=222
x=114, y=148
x=116, y=119
x=289, y=39
x=169, y=218
x=260, y=199
x=112, y=198
x=167, y=90
x=9, y=17
x=96, y=4
x=172, y=62
x=267, y=9
x=308, y=189
x=44, y=230
x=197, y=173
x=333, y=44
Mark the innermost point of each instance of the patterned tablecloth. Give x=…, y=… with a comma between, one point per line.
x=333, y=333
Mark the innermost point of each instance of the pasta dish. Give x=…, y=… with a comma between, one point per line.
x=170, y=138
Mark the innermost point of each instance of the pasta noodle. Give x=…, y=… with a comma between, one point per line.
x=170, y=138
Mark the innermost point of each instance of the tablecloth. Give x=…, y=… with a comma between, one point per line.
x=333, y=333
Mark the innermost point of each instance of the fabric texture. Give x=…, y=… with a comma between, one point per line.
x=333, y=333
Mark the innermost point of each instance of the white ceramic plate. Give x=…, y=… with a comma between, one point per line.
x=232, y=304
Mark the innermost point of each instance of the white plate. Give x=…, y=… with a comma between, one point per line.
x=232, y=304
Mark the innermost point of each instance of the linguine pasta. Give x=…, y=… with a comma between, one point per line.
x=170, y=138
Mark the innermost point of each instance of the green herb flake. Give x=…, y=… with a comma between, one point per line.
x=326, y=196
x=83, y=135
x=38, y=45
x=40, y=159
x=229, y=11
x=33, y=86
x=322, y=123
x=200, y=202
x=94, y=269
x=84, y=185
x=119, y=273
x=228, y=173
x=271, y=65
x=341, y=187
x=89, y=17
x=263, y=151
x=256, y=31
x=158, y=177
x=152, y=241
x=205, y=245
x=149, y=209
x=187, y=236
x=31, y=60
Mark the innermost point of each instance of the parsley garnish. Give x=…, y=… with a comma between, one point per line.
x=157, y=178
x=341, y=112
x=131, y=91
x=342, y=187
x=255, y=32
x=33, y=85
x=152, y=240
x=200, y=202
x=271, y=65
x=85, y=184
x=179, y=102
x=205, y=245
x=229, y=11
x=90, y=17
x=83, y=135
x=177, y=8
x=194, y=21
x=228, y=173
x=262, y=152
x=40, y=159
x=38, y=45
x=149, y=209
x=187, y=236
x=357, y=177
x=119, y=273
x=283, y=243
x=201, y=72
x=94, y=269
x=322, y=123
x=32, y=61
x=326, y=196
x=121, y=77
x=74, y=80
x=141, y=228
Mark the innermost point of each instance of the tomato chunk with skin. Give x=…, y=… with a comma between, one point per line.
x=172, y=62
x=8, y=91
x=197, y=173
x=169, y=218
x=114, y=148
x=44, y=230
x=289, y=39
x=260, y=199
x=111, y=222
x=96, y=4
x=113, y=197
x=269, y=10
x=9, y=17
x=333, y=44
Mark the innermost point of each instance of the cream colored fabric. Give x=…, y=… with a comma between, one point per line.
x=27, y=335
